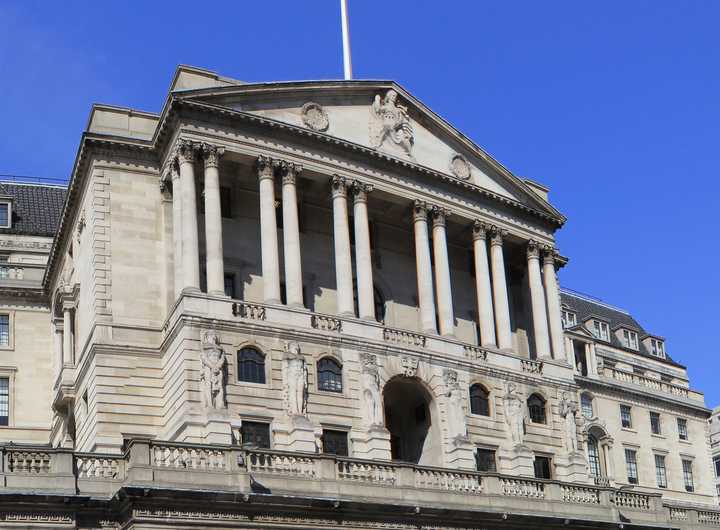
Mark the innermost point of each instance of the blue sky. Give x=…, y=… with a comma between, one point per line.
x=614, y=105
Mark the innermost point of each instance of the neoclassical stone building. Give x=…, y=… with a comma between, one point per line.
x=317, y=304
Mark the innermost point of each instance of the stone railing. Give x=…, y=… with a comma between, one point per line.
x=678, y=514
x=626, y=499
x=30, y=462
x=516, y=487
x=644, y=381
x=406, y=338
x=531, y=366
x=10, y=272
x=326, y=323
x=580, y=494
x=475, y=353
x=448, y=480
x=276, y=463
x=249, y=311
x=190, y=457
x=92, y=466
x=367, y=472
x=708, y=518
x=602, y=481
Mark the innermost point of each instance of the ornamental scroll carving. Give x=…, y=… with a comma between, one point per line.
x=214, y=371
x=390, y=122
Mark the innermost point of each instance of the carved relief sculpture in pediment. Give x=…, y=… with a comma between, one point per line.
x=214, y=369
x=315, y=117
x=390, y=122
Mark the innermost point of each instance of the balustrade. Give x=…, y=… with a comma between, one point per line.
x=406, y=338
x=281, y=464
x=531, y=366
x=626, y=499
x=367, y=472
x=647, y=382
x=101, y=467
x=249, y=311
x=183, y=457
x=448, y=481
x=579, y=494
x=475, y=353
x=710, y=518
x=326, y=323
x=678, y=514
x=515, y=487
x=31, y=462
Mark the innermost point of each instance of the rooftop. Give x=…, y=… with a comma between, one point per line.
x=36, y=206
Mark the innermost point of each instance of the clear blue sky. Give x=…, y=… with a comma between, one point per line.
x=614, y=105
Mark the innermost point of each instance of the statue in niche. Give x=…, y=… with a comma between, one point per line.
x=515, y=414
x=296, y=380
x=372, y=399
x=388, y=120
x=455, y=409
x=214, y=368
x=568, y=411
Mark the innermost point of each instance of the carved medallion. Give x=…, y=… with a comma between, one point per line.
x=315, y=117
x=460, y=167
x=409, y=366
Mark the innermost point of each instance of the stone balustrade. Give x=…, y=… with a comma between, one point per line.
x=647, y=382
x=517, y=487
x=326, y=323
x=28, y=462
x=188, y=457
x=92, y=466
x=580, y=494
x=249, y=311
x=532, y=366
x=405, y=338
x=627, y=499
x=370, y=472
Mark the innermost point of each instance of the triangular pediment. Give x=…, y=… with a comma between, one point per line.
x=380, y=115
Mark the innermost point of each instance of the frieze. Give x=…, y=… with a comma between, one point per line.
x=25, y=245
x=37, y=517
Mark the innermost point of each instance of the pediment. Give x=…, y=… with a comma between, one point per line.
x=379, y=115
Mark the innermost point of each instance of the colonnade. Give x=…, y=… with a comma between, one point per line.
x=432, y=265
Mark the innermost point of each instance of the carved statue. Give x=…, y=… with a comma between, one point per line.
x=214, y=368
x=388, y=120
x=296, y=380
x=515, y=414
x=455, y=409
x=569, y=410
x=372, y=399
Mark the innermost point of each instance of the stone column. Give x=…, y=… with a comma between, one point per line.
x=486, y=317
x=268, y=231
x=67, y=347
x=426, y=296
x=537, y=298
x=213, y=221
x=177, y=227
x=500, y=294
x=552, y=295
x=363, y=257
x=442, y=272
x=291, y=235
x=58, y=345
x=191, y=261
x=341, y=239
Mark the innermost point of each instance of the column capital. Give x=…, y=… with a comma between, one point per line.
x=360, y=190
x=533, y=249
x=550, y=255
x=420, y=211
x=265, y=167
x=439, y=215
x=338, y=186
x=211, y=154
x=479, y=230
x=496, y=235
x=289, y=171
x=186, y=151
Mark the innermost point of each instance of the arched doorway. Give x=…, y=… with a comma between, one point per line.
x=410, y=416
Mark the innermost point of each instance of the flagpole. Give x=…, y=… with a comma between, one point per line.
x=347, y=61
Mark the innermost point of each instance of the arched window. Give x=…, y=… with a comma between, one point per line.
x=536, y=408
x=586, y=405
x=479, y=400
x=379, y=300
x=251, y=365
x=329, y=375
x=593, y=456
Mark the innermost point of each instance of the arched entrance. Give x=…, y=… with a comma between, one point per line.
x=410, y=416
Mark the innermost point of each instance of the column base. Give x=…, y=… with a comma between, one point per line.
x=517, y=461
x=217, y=428
x=297, y=433
x=373, y=444
x=572, y=467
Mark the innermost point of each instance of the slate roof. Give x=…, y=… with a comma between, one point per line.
x=36, y=208
x=586, y=307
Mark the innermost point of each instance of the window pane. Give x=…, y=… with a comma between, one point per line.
x=479, y=403
x=586, y=405
x=4, y=400
x=593, y=456
x=542, y=467
x=251, y=366
x=688, y=475
x=631, y=465
x=329, y=375
x=485, y=460
x=655, y=423
x=682, y=428
x=4, y=330
x=625, y=416
x=4, y=209
x=256, y=434
x=660, y=471
x=716, y=461
x=536, y=408
x=230, y=285
x=335, y=442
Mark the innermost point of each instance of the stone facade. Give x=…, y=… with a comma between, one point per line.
x=715, y=448
x=318, y=304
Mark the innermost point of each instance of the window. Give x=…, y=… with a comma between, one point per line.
x=335, y=442
x=4, y=401
x=660, y=471
x=593, y=456
x=485, y=460
x=655, y=423
x=600, y=330
x=226, y=202
x=569, y=319
x=630, y=339
x=251, y=366
x=682, y=429
x=716, y=462
x=4, y=330
x=657, y=348
x=536, y=408
x=329, y=375
x=626, y=416
x=255, y=433
x=542, y=465
x=631, y=465
x=230, y=285
x=688, y=475
x=5, y=214
x=479, y=402
x=586, y=405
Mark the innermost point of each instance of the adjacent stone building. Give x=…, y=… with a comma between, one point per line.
x=317, y=304
x=715, y=447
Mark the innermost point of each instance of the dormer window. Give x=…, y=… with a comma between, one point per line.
x=569, y=319
x=657, y=348
x=600, y=330
x=630, y=339
x=5, y=214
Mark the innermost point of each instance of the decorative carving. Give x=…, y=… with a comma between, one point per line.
x=289, y=171
x=460, y=167
x=212, y=154
x=214, y=371
x=186, y=151
x=455, y=406
x=296, y=380
x=497, y=235
x=315, y=117
x=338, y=186
x=370, y=379
x=480, y=230
x=388, y=120
x=82, y=223
x=409, y=366
x=439, y=215
x=420, y=210
x=515, y=414
x=360, y=190
x=569, y=410
x=533, y=249
x=265, y=167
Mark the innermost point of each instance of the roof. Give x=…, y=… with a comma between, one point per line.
x=36, y=208
x=587, y=307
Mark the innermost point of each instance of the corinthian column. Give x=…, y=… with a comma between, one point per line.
x=341, y=239
x=537, y=297
x=486, y=318
x=268, y=231
x=363, y=259
x=552, y=295
x=500, y=294
x=442, y=272
x=426, y=297
x=191, y=261
x=213, y=221
x=177, y=227
x=291, y=235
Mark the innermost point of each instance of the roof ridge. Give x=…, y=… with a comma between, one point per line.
x=593, y=300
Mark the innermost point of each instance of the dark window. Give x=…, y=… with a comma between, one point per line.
x=226, y=202
x=485, y=460
x=230, y=285
x=688, y=475
x=716, y=461
x=542, y=467
x=682, y=429
x=4, y=215
x=626, y=416
x=329, y=375
x=655, y=423
x=631, y=465
x=251, y=366
x=335, y=442
x=256, y=434
x=536, y=408
x=479, y=402
x=4, y=330
x=4, y=401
